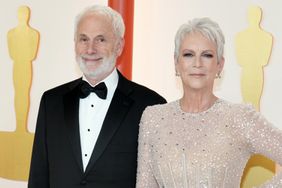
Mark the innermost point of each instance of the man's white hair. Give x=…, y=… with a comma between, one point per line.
x=114, y=16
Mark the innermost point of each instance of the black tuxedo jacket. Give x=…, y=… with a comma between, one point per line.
x=56, y=157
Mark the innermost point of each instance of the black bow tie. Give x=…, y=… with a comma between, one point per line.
x=86, y=89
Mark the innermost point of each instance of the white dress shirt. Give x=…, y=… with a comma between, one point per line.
x=92, y=112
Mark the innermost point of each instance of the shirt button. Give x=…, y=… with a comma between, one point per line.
x=85, y=155
x=83, y=182
x=92, y=105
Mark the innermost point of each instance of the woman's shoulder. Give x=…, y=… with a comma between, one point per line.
x=160, y=111
x=237, y=106
x=162, y=108
x=243, y=107
x=157, y=116
x=239, y=110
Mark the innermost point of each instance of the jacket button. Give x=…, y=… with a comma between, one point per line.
x=83, y=182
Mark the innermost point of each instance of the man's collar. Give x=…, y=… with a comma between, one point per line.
x=111, y=80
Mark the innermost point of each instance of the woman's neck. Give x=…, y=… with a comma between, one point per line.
x=195, y=102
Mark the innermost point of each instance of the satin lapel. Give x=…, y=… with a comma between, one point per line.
x=117, y=112
x=71, y=109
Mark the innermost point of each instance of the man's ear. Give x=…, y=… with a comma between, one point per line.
x=120, y=46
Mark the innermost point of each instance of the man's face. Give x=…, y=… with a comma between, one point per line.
x=96, y=46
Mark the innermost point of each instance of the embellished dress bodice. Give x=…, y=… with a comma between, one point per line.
x=203, y=150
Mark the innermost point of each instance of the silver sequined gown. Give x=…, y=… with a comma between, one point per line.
x=203, y=150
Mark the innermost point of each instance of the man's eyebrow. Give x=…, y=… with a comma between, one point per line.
x=100, y=36
x=82, y=35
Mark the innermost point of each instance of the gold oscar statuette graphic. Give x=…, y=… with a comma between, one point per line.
x=16, y=146
x=253, y=48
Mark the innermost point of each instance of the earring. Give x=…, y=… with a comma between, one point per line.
x=218, y=75
x=177, y=74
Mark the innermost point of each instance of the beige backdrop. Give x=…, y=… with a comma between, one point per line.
x=156, y=22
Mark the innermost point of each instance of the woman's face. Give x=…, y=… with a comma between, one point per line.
x=197, y=63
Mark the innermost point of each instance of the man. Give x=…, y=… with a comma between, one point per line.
x=83, y=140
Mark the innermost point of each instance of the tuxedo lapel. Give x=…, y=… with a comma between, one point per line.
x=117, y=112
x=71, y=109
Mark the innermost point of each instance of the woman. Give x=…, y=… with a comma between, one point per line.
x=201, y=140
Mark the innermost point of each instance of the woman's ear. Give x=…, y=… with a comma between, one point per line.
x=176, y=59
x=221, y=64
x=176, y=65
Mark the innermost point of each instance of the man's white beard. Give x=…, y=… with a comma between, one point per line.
x=105, y=68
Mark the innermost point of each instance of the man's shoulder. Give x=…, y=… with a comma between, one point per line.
x=142, y=89
x=142, y=92
x=63, y=88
